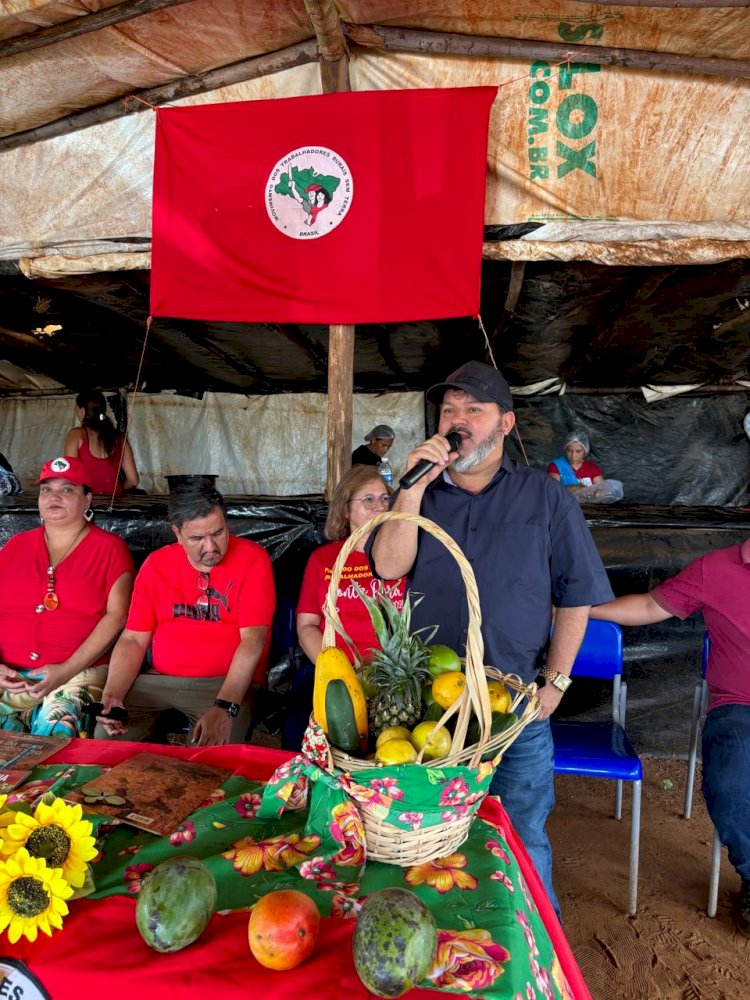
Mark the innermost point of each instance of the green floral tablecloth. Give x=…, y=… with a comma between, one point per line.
x=492, y=941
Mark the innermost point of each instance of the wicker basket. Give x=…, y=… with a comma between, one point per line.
x=386, y=842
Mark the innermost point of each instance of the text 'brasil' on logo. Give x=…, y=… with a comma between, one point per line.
x=309, y=192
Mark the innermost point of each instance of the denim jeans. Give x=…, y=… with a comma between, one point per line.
x=525, y=782
x=726, y=780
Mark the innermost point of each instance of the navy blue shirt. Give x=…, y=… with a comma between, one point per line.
x=529, y=546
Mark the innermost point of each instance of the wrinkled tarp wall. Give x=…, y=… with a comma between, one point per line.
x=257, y=445
x=588, y=142
x=685, y=450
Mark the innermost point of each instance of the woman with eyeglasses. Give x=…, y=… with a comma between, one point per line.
x=64, y=594
x=359, y=496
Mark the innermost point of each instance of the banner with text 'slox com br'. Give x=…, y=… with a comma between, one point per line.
x=344, y=208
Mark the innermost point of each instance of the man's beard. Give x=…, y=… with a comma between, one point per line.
x=479, y=454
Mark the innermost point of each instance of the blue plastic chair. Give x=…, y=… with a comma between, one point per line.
x=601, y=749
x=700, y=704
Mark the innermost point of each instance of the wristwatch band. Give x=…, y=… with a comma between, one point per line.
x=230, y=707
x=561, y=681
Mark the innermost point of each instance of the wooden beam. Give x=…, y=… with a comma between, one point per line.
x=83, y=25
x=635, y=253
x=667, y=3
x=224, y=76
x=340, y=381
x=447, y=43
x=334, y=55
x=334, y=78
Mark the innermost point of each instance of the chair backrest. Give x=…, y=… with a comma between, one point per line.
x=706, y=653
x=600, y=654
x=283, y=631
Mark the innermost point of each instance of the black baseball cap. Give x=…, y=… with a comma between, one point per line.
x=483, y=382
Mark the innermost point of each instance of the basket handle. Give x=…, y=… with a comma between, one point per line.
x=476, y=694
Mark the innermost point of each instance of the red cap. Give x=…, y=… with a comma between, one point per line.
x=64, y=468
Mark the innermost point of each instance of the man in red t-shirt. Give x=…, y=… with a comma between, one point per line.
x=717, y=585
x=204, y=606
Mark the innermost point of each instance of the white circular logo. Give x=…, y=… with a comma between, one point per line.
x=309, y=192
x=59, y=465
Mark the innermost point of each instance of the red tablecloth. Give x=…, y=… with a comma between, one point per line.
x=116, y=964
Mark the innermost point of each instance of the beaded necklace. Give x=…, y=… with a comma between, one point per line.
x=51, y=601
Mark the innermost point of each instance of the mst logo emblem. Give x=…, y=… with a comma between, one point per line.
x=309, y=192
x=59, y=465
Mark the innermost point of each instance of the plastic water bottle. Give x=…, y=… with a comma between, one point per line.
x=385, y=470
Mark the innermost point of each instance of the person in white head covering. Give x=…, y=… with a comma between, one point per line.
x=572, y=468
x=377, y=444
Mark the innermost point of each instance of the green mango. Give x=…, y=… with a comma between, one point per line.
x=395, y=941
x=175, y=904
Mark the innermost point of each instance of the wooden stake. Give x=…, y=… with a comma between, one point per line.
x=340, y=381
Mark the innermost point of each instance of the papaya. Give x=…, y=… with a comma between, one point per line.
x=333, y=664
x=175, y=904
x=395, y=941
x=342, y=725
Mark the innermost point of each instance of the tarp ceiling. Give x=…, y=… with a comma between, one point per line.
x=618, y=137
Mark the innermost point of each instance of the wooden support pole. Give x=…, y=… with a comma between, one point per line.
x=340, y=381
x=83, y=25
x=334, y=55
x=223, y=76
x=446, y=43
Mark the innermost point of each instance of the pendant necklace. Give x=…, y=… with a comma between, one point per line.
x=51, y=601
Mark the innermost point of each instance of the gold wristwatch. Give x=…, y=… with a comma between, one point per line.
x=561, y=681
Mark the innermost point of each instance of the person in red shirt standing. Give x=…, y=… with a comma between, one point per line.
x=64, y=593
x=204, y=606
x=717, y=585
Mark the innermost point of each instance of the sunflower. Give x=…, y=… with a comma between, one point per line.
x=56, y=833
x=31, y=896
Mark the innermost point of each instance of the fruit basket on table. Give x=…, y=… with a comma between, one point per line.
x=473, y=744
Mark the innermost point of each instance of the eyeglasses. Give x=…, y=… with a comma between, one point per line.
x=203, y=602
x=370, y=502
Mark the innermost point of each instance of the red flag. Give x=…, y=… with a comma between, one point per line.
x=347, y=208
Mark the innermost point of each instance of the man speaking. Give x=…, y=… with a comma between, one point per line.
x=528, y=544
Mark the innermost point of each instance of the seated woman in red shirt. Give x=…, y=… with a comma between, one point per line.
x=105, y=453
x=64, y=595
x=572, y=469
x=360, y=495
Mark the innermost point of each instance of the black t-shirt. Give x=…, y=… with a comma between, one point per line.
x=363, y=456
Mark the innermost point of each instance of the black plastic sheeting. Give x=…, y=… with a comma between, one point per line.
x=289, y=529
x=684, y=450
x=639, y=544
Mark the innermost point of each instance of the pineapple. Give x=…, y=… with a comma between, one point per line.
x=398, y=670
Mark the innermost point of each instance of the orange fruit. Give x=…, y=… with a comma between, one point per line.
x=283, y=929
x=500, y=699
x=447, y=687
x=437, y=742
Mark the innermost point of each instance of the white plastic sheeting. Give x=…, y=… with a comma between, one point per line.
x=259, y=445
x=616, y=144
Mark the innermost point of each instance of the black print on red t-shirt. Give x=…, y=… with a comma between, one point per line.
x=210, y=614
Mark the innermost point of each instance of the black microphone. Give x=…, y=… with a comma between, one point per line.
x=423, y=467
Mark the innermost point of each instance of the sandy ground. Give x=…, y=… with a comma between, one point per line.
x=671, y=949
